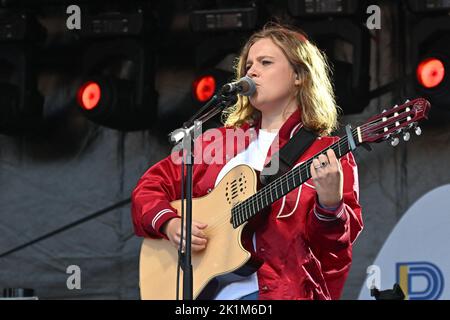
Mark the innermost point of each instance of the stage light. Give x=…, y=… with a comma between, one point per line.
x=430, y=59
x=117, y=88
x=207, y=83
x=430, y=72
x=347, y=46
x=204, y=88
x=118, y=103
x=89, y=95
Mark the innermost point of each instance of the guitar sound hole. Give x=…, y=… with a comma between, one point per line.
x=235, y=187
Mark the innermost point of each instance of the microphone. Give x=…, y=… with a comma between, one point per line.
x=244, y=86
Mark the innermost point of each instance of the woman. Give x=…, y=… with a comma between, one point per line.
x=306, y=238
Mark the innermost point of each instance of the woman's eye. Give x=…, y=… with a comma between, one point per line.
x=265, y=62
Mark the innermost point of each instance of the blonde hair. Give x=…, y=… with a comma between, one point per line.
x=315, y=96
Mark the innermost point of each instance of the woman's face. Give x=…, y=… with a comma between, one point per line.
x=273, y=75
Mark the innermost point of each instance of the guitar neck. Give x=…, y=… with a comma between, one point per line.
x=286, y=183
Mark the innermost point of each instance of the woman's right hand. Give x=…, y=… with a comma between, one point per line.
x=172, y=229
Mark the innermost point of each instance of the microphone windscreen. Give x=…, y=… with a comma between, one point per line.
x=248, y=86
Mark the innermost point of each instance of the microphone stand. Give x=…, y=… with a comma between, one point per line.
x=185, y=134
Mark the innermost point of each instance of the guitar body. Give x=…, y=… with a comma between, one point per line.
x=224, y=254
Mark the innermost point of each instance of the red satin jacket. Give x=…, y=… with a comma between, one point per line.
x=307, y=250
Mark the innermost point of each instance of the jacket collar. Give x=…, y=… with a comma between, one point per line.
x=289, y=127
x=287, y=130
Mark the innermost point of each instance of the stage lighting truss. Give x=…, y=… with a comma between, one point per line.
x=117, y=87
x=12, y=27
x=20, y=102
x=430, y=59
x=19, y=25
x=105, y=24
x=347, y=46
x=117, y=90
x=224, y=19
x=311, y=8
x=429, y=5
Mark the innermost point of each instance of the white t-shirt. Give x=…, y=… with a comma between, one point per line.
x=254, y=156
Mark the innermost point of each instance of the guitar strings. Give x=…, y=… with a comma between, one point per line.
x=239, y=209
x=244, y=206
x=291, y=175
x=254, y=200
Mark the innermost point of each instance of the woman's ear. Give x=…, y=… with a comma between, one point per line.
x=297, y=80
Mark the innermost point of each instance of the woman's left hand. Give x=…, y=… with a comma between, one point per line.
x=326, y=172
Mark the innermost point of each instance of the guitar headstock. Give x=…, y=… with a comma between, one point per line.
x=392, y=123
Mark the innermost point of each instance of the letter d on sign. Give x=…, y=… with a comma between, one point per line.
x=421, y=280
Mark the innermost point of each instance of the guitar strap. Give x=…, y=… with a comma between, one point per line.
x=287, y=155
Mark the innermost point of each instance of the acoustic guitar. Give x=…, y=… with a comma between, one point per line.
x=235, y=200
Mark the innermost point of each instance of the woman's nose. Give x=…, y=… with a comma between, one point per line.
x=252, y=72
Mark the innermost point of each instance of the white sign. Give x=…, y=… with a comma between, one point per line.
x=416, y=253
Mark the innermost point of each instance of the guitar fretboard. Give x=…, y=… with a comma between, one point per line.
x=284, y=184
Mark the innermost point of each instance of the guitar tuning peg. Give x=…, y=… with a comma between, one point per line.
x=395, y=141
x=406, y=136
x=418, y=131
x=407, y=100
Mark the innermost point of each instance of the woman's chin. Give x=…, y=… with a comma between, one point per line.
x=259, y=106
x=257, y=103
